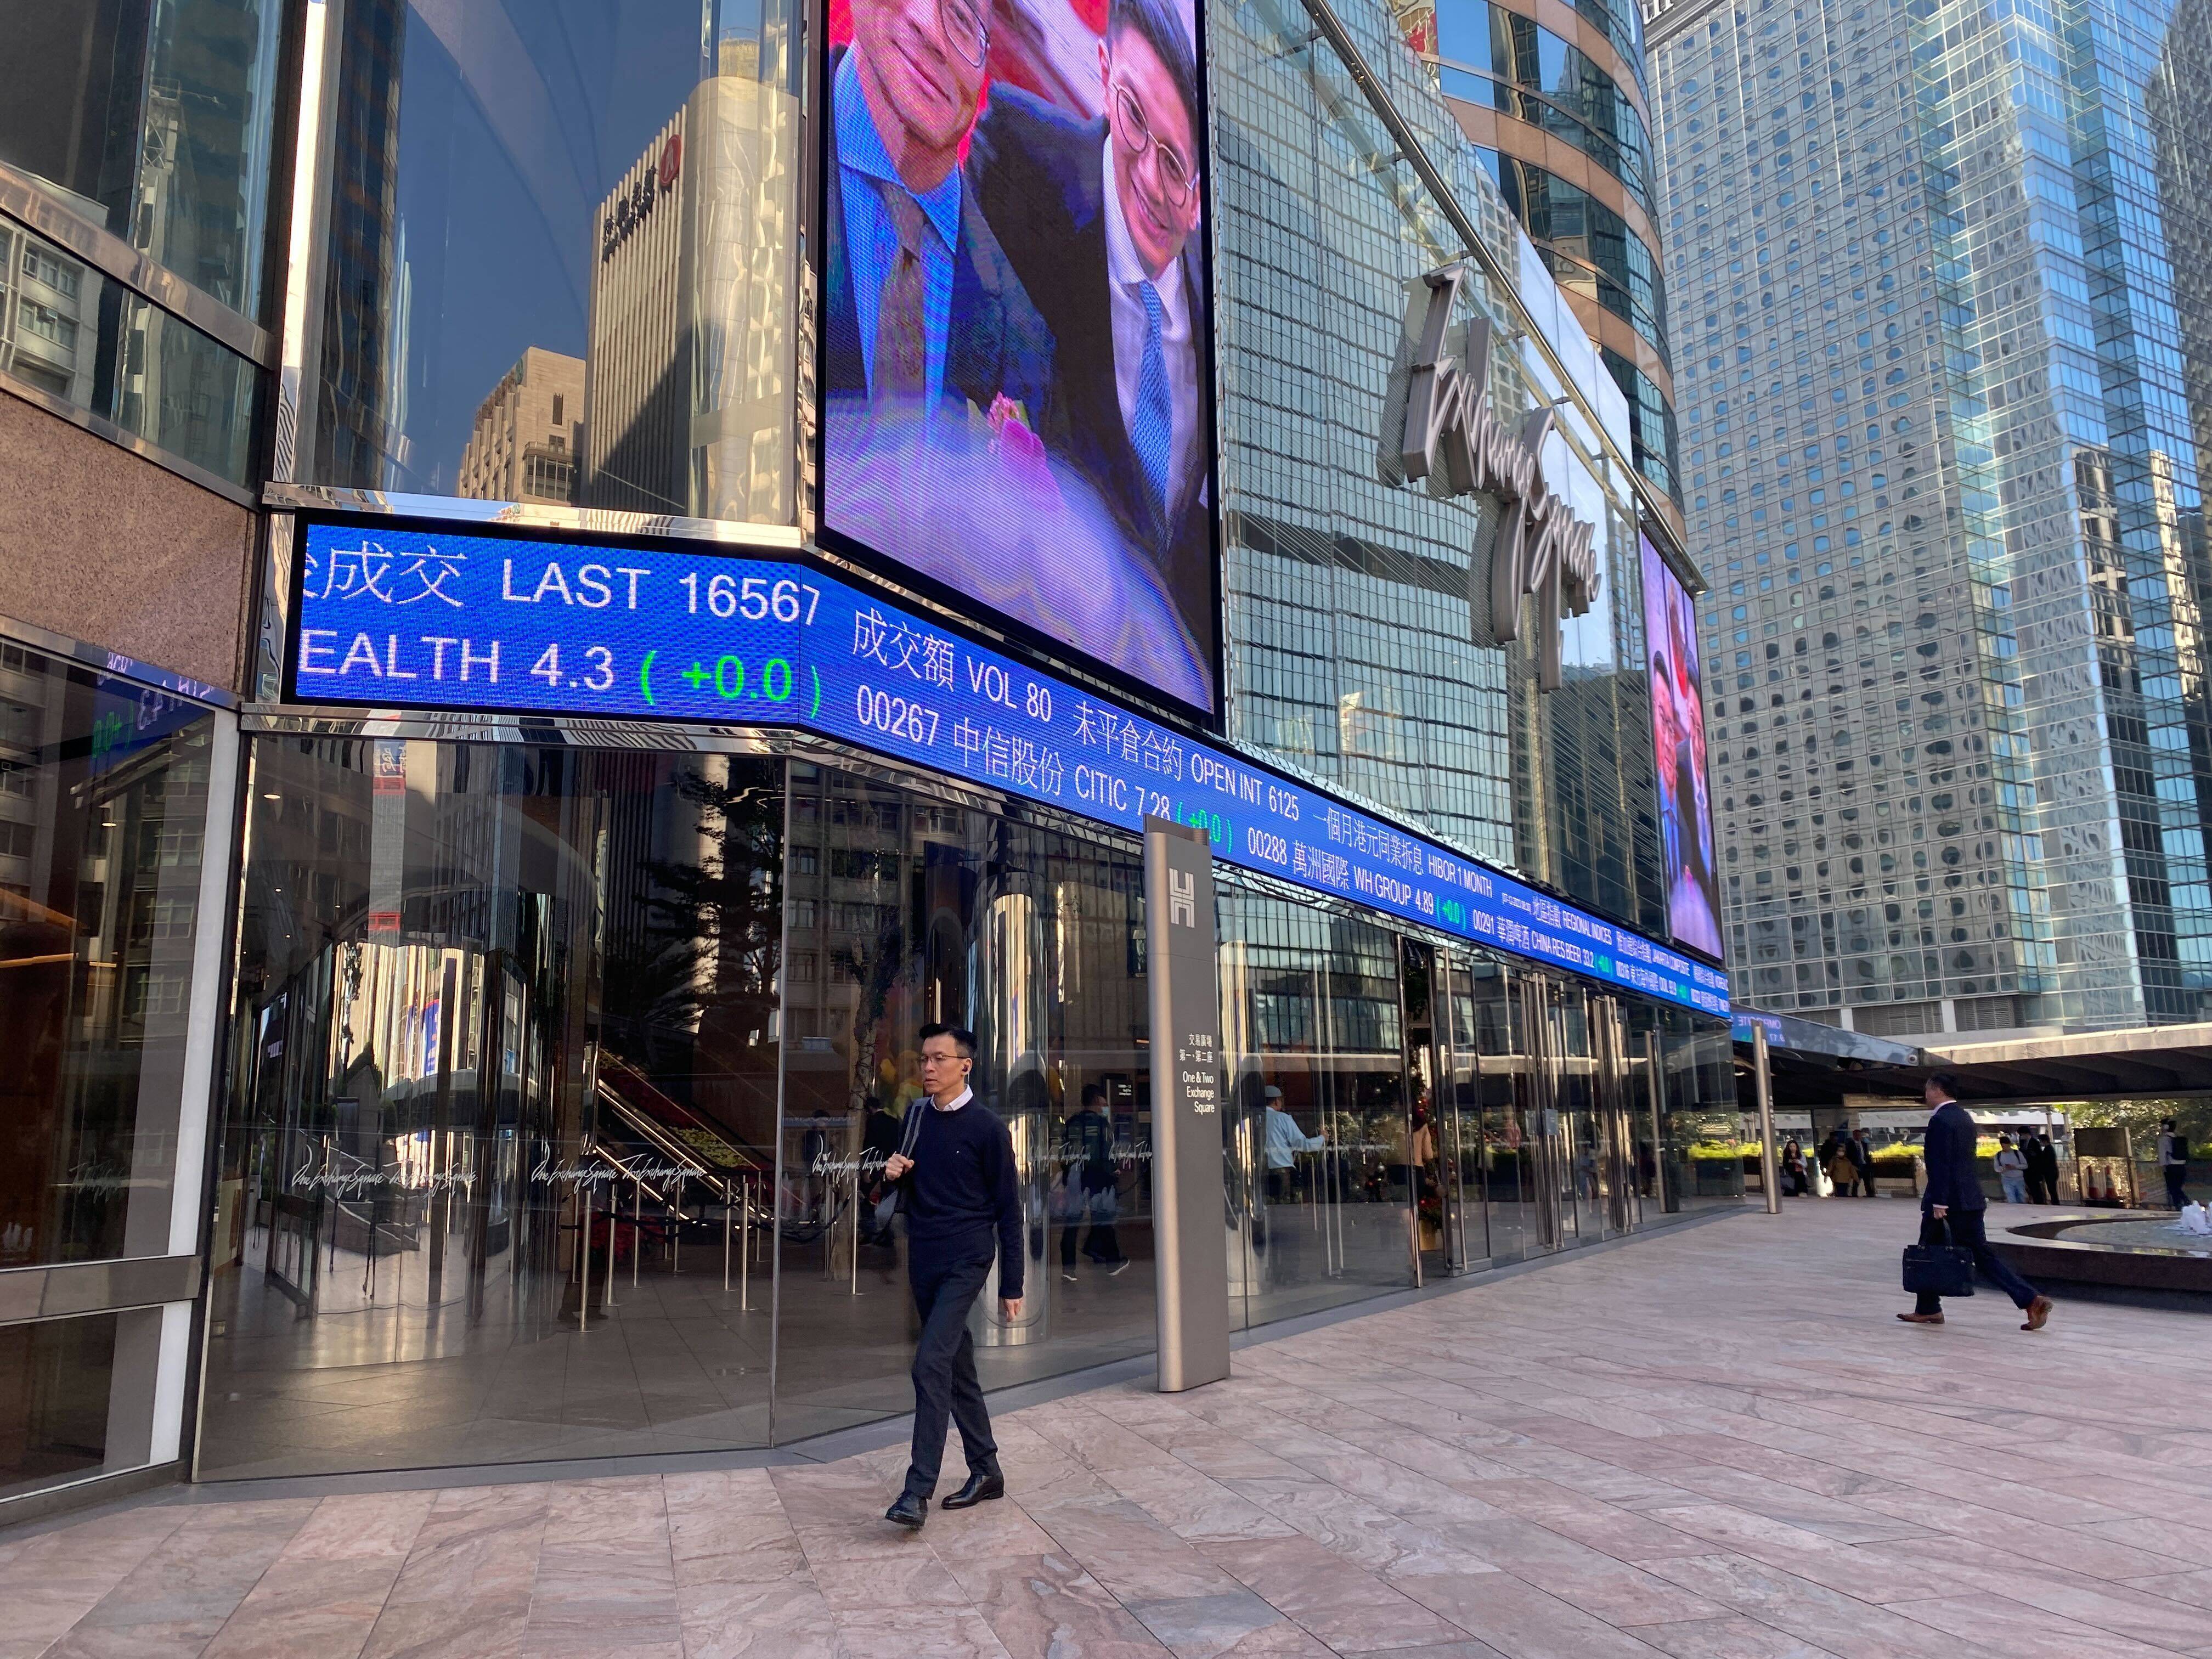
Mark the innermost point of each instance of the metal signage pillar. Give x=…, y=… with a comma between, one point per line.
x=1768, y=1179
x=1188, y=1197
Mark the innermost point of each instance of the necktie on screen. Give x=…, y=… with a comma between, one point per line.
x=1152, y=433
x=902, y=340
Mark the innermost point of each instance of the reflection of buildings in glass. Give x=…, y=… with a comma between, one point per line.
x=691, y=338
x=46, y=328
x=528, y=433
x=26, y=787
x=1964, y=608
x=358, y=440
x=204, y=170
x=639, y=396
x=1554, y=103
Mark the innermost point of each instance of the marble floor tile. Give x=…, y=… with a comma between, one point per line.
x=1207, y=1627
x=1716, y=1444
x=1624, y=1535
x=361, y=1527
x=784, y=1620
x=1732, y=1636
x=1195, y=1507
x=2182, y=1540
x=1326, y=1595
x=1042, y=1606
x=1129, y=1552
x=2023, y=1633
x=1843, y=1625
x=917, y=1633
x=315, y=1606
x=1522, y=1621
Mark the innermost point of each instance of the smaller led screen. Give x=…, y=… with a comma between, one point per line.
x=1015, y=325
x=1678, y=737
x=391, y=617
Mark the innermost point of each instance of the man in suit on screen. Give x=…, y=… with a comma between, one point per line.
x=1099, y=219
x=922, y=308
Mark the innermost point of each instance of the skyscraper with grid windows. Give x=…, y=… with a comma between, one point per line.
x=1934, y=270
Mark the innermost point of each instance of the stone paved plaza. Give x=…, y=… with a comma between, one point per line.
x=1717, y=1445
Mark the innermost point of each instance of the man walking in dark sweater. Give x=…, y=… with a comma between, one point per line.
x=962, y=1208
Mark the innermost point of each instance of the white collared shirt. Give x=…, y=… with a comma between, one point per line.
x=1125, y=271
x=958, y=1101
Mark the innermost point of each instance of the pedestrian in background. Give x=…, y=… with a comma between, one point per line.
x=2173, y=1162
x=1861, y=1152
x=1843, y=1171
x=2012, y=1171
x=1089, y=1186
x=1952, y=1208
x=2042, y=1169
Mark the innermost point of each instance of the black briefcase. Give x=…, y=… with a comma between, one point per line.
x=1939, y=1269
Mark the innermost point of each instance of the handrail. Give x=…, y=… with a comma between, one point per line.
x=635, y=1082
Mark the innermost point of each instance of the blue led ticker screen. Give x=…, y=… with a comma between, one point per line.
x=397, y=618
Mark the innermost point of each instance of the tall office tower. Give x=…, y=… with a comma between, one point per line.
x=527, y=433
x=1935, y=271
x=692, y=350
x=360, y=442
x=1553, y=98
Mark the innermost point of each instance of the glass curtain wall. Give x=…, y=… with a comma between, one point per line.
x=505, y=1175
x=906, y=910
x=103, y=803
x=153, y=119
x=105, y=791
x=1319, y=1136
x=1702, y=1151
x=563, y=248
x=503, y=1100
x=561, y=1082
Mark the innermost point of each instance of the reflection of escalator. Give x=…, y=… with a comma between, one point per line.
x=673, y=1130
x=668, y=1176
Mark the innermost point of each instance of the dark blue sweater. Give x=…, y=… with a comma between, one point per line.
x=961, y=1192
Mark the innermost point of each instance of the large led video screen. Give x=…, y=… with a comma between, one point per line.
x=1015, y=332
x=1677, y=735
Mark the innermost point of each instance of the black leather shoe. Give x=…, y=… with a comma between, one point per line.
x=909, y=1510
x=980, y=1489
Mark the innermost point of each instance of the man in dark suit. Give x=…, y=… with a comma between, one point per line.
x=1952, y=1209
x=1098, y=218
x=922, y=308
x=2042, y=1169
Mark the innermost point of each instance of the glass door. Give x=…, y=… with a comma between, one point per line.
x=1562, y=1033
x=1548, y=1172
x=1504, y=1086
x=1620, y=1104
x=1618, y=1186
x=1459, y=1115
x=1425, y=1172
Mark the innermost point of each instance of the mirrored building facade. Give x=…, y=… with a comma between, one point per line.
x=551, y=1049
x=1940, y=435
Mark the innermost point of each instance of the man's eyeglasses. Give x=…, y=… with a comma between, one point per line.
x=1177, y=176
x=967, y=29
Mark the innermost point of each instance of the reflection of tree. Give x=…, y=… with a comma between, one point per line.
x=874, y=969
x=704, y=961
